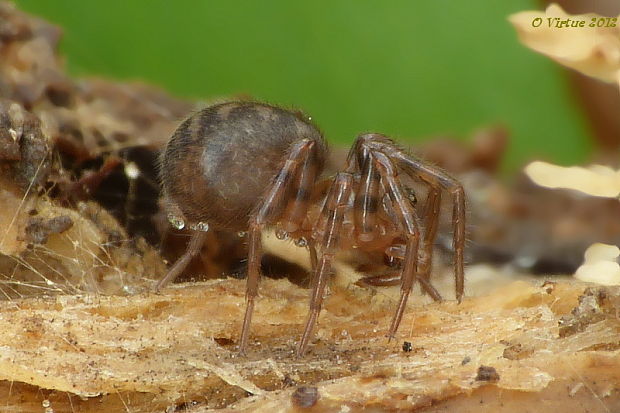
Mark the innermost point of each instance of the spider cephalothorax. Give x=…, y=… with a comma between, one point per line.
x=245, y=166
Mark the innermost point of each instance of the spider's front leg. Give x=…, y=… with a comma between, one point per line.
x=438, y=178
x=409, y=223
x=431, y=222
x=367, y=201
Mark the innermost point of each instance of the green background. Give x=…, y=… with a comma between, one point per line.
x=410, y=69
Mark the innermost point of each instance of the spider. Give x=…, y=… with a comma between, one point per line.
x=247, y=166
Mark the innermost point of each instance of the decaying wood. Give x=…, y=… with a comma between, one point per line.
x=558, y=342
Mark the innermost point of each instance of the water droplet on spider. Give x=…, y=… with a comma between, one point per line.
x=200, y=226
x=49, y=410
x=242, y=234
x=281, y=234
x=301, y=242
x=176, y=222
x=131, y=170
x=46, y=403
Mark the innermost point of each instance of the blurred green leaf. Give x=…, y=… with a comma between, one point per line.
x=408, y=69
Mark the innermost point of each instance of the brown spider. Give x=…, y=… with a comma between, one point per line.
x=244, y=166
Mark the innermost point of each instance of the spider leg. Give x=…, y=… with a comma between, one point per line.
x=195, y=245
x=333, y=210
x=431, y=174
x=270, y=209
x=395, y=278
x=367, y=199
x=408, y=220
x=445, y=181
x=384, y=280
x=431, y=222
x=314, y=260
x=295, y=212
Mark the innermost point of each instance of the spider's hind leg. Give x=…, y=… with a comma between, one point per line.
x=298, y=169
x=196, y=242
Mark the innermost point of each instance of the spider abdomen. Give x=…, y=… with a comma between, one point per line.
x=220, y=161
